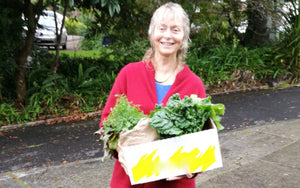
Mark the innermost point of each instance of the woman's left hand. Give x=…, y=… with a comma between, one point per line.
x=188, y=175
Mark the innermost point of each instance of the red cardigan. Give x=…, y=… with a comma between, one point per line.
x=136, y=81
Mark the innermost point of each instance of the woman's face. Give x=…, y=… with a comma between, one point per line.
x=168, y=36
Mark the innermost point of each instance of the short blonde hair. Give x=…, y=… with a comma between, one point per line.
x=158, y=15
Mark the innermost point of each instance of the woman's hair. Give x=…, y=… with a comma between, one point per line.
x=179, y=14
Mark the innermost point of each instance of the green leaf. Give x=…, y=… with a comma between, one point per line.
x=111, y=10
x=123, y=116
x=118, y=8
x=185, y=116
x=71, y=3
x=103, y=3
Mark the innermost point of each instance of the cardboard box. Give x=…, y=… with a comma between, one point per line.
x=171, y=157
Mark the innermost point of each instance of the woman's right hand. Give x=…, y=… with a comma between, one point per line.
x=122, y=159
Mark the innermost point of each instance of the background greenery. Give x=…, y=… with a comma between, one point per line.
x=224, y=60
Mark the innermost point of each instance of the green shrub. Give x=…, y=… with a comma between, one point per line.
x=74, y=27
x=82, y=82
x=135, y=51
x=287, y=52
x=91, y=43
x=218, y=64
x=49, y=94
x=8, y=114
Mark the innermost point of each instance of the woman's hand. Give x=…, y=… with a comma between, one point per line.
x=188, y=175
x=122, y=159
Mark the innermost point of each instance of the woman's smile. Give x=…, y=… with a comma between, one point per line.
x=168, y=36
x=167, y=44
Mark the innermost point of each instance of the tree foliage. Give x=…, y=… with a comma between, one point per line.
x=123, y=20
x=288, y=47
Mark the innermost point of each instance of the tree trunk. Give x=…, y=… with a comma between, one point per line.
x=257, y=33
x=21, y=59
x=23, y=52
x=58, y=35
x=1, y=98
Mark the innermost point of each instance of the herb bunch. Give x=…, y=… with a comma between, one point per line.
x=124, y=116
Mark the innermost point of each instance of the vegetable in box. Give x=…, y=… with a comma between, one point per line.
x=123, y=116
x=178, y=117
x=185, y=116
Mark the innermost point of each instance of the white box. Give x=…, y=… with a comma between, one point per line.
x=171, y=157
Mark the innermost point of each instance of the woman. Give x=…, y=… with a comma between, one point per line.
x=160, y=74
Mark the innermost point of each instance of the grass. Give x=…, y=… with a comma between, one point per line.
x=84, y=54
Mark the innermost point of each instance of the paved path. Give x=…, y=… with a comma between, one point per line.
x=263, y=156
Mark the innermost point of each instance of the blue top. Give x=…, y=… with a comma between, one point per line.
x=161, y=91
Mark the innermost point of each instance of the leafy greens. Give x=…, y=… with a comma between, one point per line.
x=123, y=116
x=178, y=117
x=185, y=116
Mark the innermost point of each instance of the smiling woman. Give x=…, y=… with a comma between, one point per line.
x=160, y=74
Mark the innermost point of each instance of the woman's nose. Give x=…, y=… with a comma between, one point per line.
x=167, y=33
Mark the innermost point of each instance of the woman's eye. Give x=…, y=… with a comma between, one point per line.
x=161, y=28
x=176, y=30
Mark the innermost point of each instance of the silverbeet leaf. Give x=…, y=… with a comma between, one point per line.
x=185, y=116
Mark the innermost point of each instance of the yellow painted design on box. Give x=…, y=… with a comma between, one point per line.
x=208, y=158
x=147, y=166
x=193, y=160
